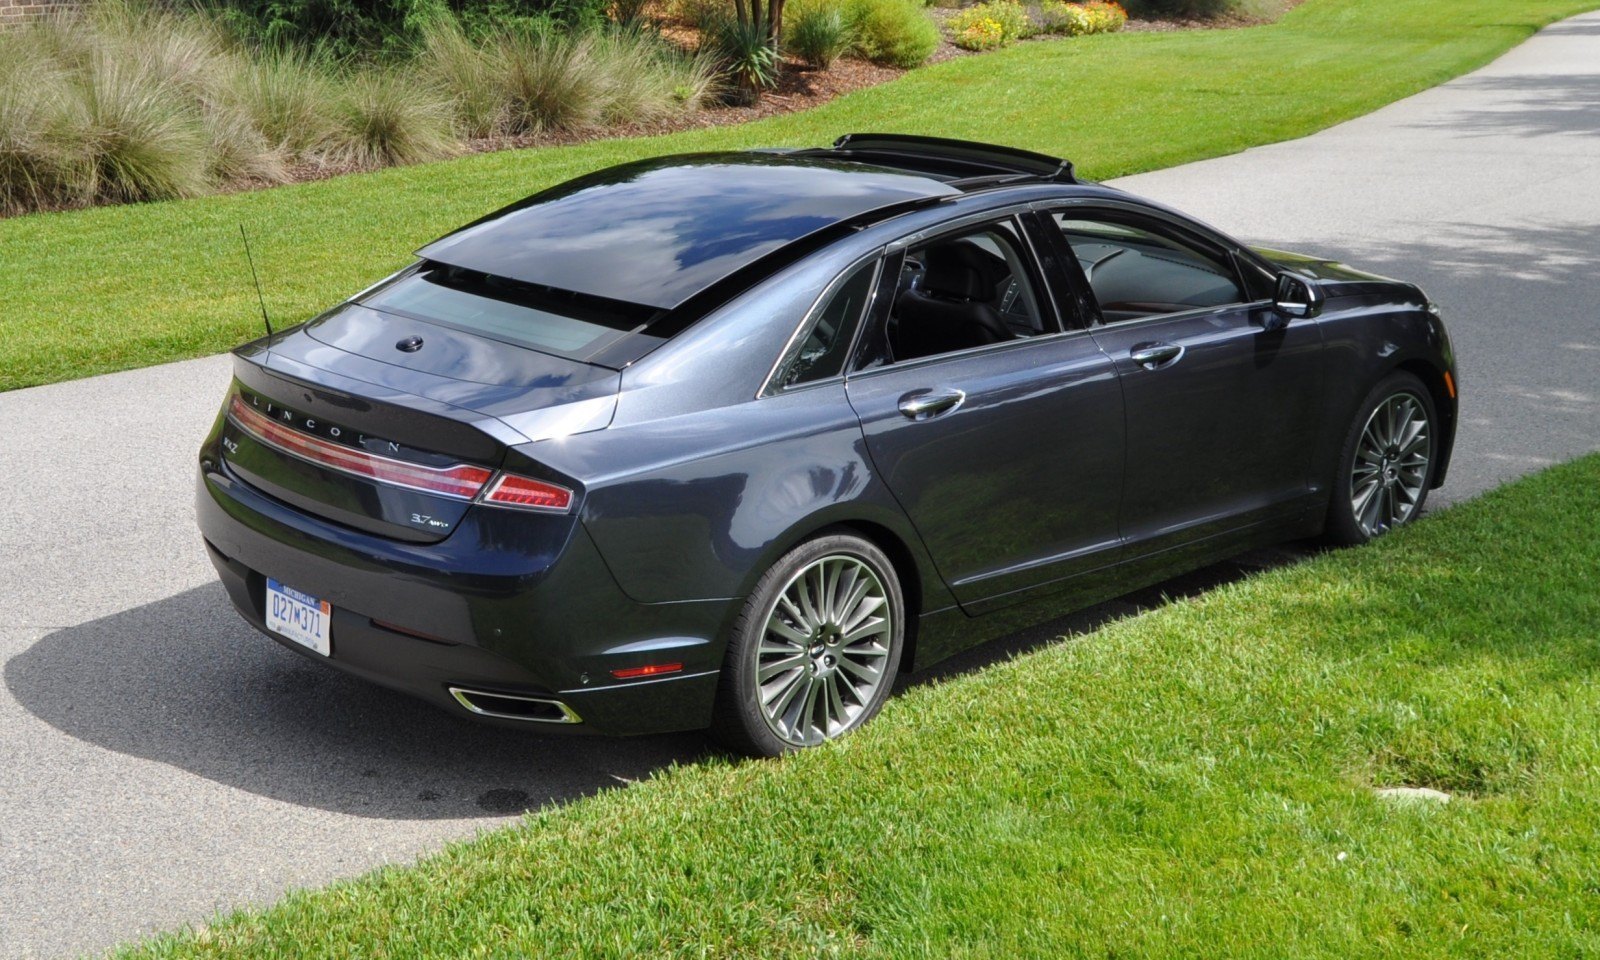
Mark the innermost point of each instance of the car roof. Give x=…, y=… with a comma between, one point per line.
x=658, y=232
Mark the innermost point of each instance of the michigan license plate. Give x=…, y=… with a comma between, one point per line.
x=300, y=617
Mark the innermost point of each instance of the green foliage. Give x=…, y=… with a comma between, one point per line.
x=68, y=310
x=1080, y=19
x=1191, y=9
x=514, y=81
x=744, y=56
x=651, y=80
x=696, y=13
x=895, y=32
x=818, y=33
x=997, y=23
x=385, y=118
x=289, y=93
x=389, y=29
x=131, y=103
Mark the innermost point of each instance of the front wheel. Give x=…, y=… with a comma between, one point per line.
x=815, y=650
x=1387, y=462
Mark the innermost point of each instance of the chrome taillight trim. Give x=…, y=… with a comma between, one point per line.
x=338, y=457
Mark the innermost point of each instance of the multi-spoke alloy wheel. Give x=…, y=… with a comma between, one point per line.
x=1387, y=463
x=821, y=660
x=1390, y=471
x=816, y=649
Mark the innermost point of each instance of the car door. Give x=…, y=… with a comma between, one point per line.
x=1221, y=400
x=1004, y=448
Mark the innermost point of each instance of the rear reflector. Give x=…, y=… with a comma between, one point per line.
x=510, y=490
x=650, y=670
x=461, y=482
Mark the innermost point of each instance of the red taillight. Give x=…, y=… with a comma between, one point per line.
x=462, y=481
x=510, y=490
x=649, y=670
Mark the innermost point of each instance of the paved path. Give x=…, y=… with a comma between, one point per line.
x=159, y=761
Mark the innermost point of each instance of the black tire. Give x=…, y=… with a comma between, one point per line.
x=739, y=721
x=1344, y=527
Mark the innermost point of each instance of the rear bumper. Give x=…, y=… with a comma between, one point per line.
x=475, y=613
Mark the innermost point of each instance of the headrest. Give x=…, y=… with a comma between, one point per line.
x=958, y=271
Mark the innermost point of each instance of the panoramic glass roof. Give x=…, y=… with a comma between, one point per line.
x=659, y=231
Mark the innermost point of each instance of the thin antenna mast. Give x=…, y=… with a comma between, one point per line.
x=252, y=261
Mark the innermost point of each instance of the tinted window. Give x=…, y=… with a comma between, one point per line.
x=1136, y=273
x=518, y=313
x=822, y=352
x=964, y=291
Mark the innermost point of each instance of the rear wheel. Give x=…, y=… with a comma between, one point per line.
x=1387, y=462
x=815, y=650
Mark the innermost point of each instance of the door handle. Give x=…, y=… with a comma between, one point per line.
x=925, y=404
x=1154, y=356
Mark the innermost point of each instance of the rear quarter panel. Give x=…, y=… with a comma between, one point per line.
x=698, y=486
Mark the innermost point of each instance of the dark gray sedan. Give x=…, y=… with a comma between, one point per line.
x=729, y=440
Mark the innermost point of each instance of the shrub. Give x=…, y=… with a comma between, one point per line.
x=1078, y=19
x=516, y=81
x=896, y=32
x=386, y=118
x=977, y=33
x=985, y=26
x=744, y=55
x=133, y=140
x=470, y=73
x=288, y=94
x=696, y=13
x=392, y=28
x=651, y=80
x=121, y=102
x=1191, y=9
x=819, y=34
x=549, y=81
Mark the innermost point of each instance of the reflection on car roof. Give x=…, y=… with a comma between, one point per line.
x=660, y=231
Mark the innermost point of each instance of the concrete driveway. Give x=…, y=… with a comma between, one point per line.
x=159, y=761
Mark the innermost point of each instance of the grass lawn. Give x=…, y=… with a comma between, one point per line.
x=98, y=290
x=1195, y=781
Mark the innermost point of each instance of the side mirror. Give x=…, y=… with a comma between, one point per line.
x=1296, y=298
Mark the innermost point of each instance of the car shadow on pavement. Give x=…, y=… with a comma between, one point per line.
x=184, y=681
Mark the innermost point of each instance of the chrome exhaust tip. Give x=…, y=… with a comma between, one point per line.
x=507, y=706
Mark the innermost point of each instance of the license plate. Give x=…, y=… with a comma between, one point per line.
x=300, y=617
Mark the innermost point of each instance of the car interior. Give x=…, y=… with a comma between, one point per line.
x=1135, y=273
x=960, y=292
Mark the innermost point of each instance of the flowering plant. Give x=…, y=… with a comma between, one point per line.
x=989, y=25
x=1078, y=19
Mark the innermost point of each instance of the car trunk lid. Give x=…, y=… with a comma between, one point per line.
x=336, y=420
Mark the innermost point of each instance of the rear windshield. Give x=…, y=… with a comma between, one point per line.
x=551, y=321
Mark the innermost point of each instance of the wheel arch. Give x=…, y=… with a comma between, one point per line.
x=1433, y=377
x=919, y=582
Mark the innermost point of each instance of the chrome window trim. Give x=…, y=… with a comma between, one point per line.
x=1018, y=343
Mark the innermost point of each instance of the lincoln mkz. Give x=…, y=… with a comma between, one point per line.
x=730, y=440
